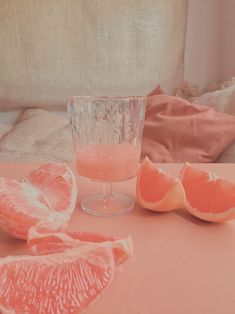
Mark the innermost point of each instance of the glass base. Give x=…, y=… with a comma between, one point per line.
x=112, y=206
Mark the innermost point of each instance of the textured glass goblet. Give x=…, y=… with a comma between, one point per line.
x=107, y=133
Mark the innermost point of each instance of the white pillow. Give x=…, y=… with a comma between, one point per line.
x=221, y=100
x=224, y=101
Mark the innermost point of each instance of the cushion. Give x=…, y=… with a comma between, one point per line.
x=228, y=156
x=54, y=49
x=38, y=135
x=224, y=101
x=176, y=130
x=221, y=100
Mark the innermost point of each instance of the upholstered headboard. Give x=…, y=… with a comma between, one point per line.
x=53, y=49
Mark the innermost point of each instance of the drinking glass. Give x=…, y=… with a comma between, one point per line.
x=107, y=133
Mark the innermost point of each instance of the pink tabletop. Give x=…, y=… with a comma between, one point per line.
x=181, y=265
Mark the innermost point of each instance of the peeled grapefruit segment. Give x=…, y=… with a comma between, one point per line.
x=42, y=241
x=208, y=197
x=49, y=190
x=57, y=283
x=156, y=190
x=57, y=185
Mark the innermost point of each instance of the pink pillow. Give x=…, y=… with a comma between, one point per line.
x=178, y=131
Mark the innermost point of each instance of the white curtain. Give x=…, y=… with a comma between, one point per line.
x=53, y=49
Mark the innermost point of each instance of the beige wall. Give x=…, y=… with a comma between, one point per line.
x=210, y=45
x=228, y=38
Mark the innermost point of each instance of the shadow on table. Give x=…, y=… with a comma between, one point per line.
x=143, y=212
x=182, y=213
x=212, y=225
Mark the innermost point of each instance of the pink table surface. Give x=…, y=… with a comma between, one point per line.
x=181, y=265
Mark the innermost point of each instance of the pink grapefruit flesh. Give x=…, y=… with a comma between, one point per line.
x=57, y=283
x=41, y=242
x=57, y=185
x=49, y=190
x=71, y=269
x=156, y=190
x=207, y=196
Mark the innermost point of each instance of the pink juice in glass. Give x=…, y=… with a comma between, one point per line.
x=108, y=162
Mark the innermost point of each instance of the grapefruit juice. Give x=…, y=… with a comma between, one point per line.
x=108, y=162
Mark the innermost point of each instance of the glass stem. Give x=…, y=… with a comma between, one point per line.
x=107, y=190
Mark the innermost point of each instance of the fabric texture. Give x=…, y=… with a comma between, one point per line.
x=176, y=130
x=38, y=135
x=228, y=156
x=54, y=49
x=221, y=100
x=224, y=101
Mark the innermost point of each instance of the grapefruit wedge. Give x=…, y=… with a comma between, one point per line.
x=57, y=283
x=49, y=190
x=207, y=196
x=156, y=190
x=43, y=241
